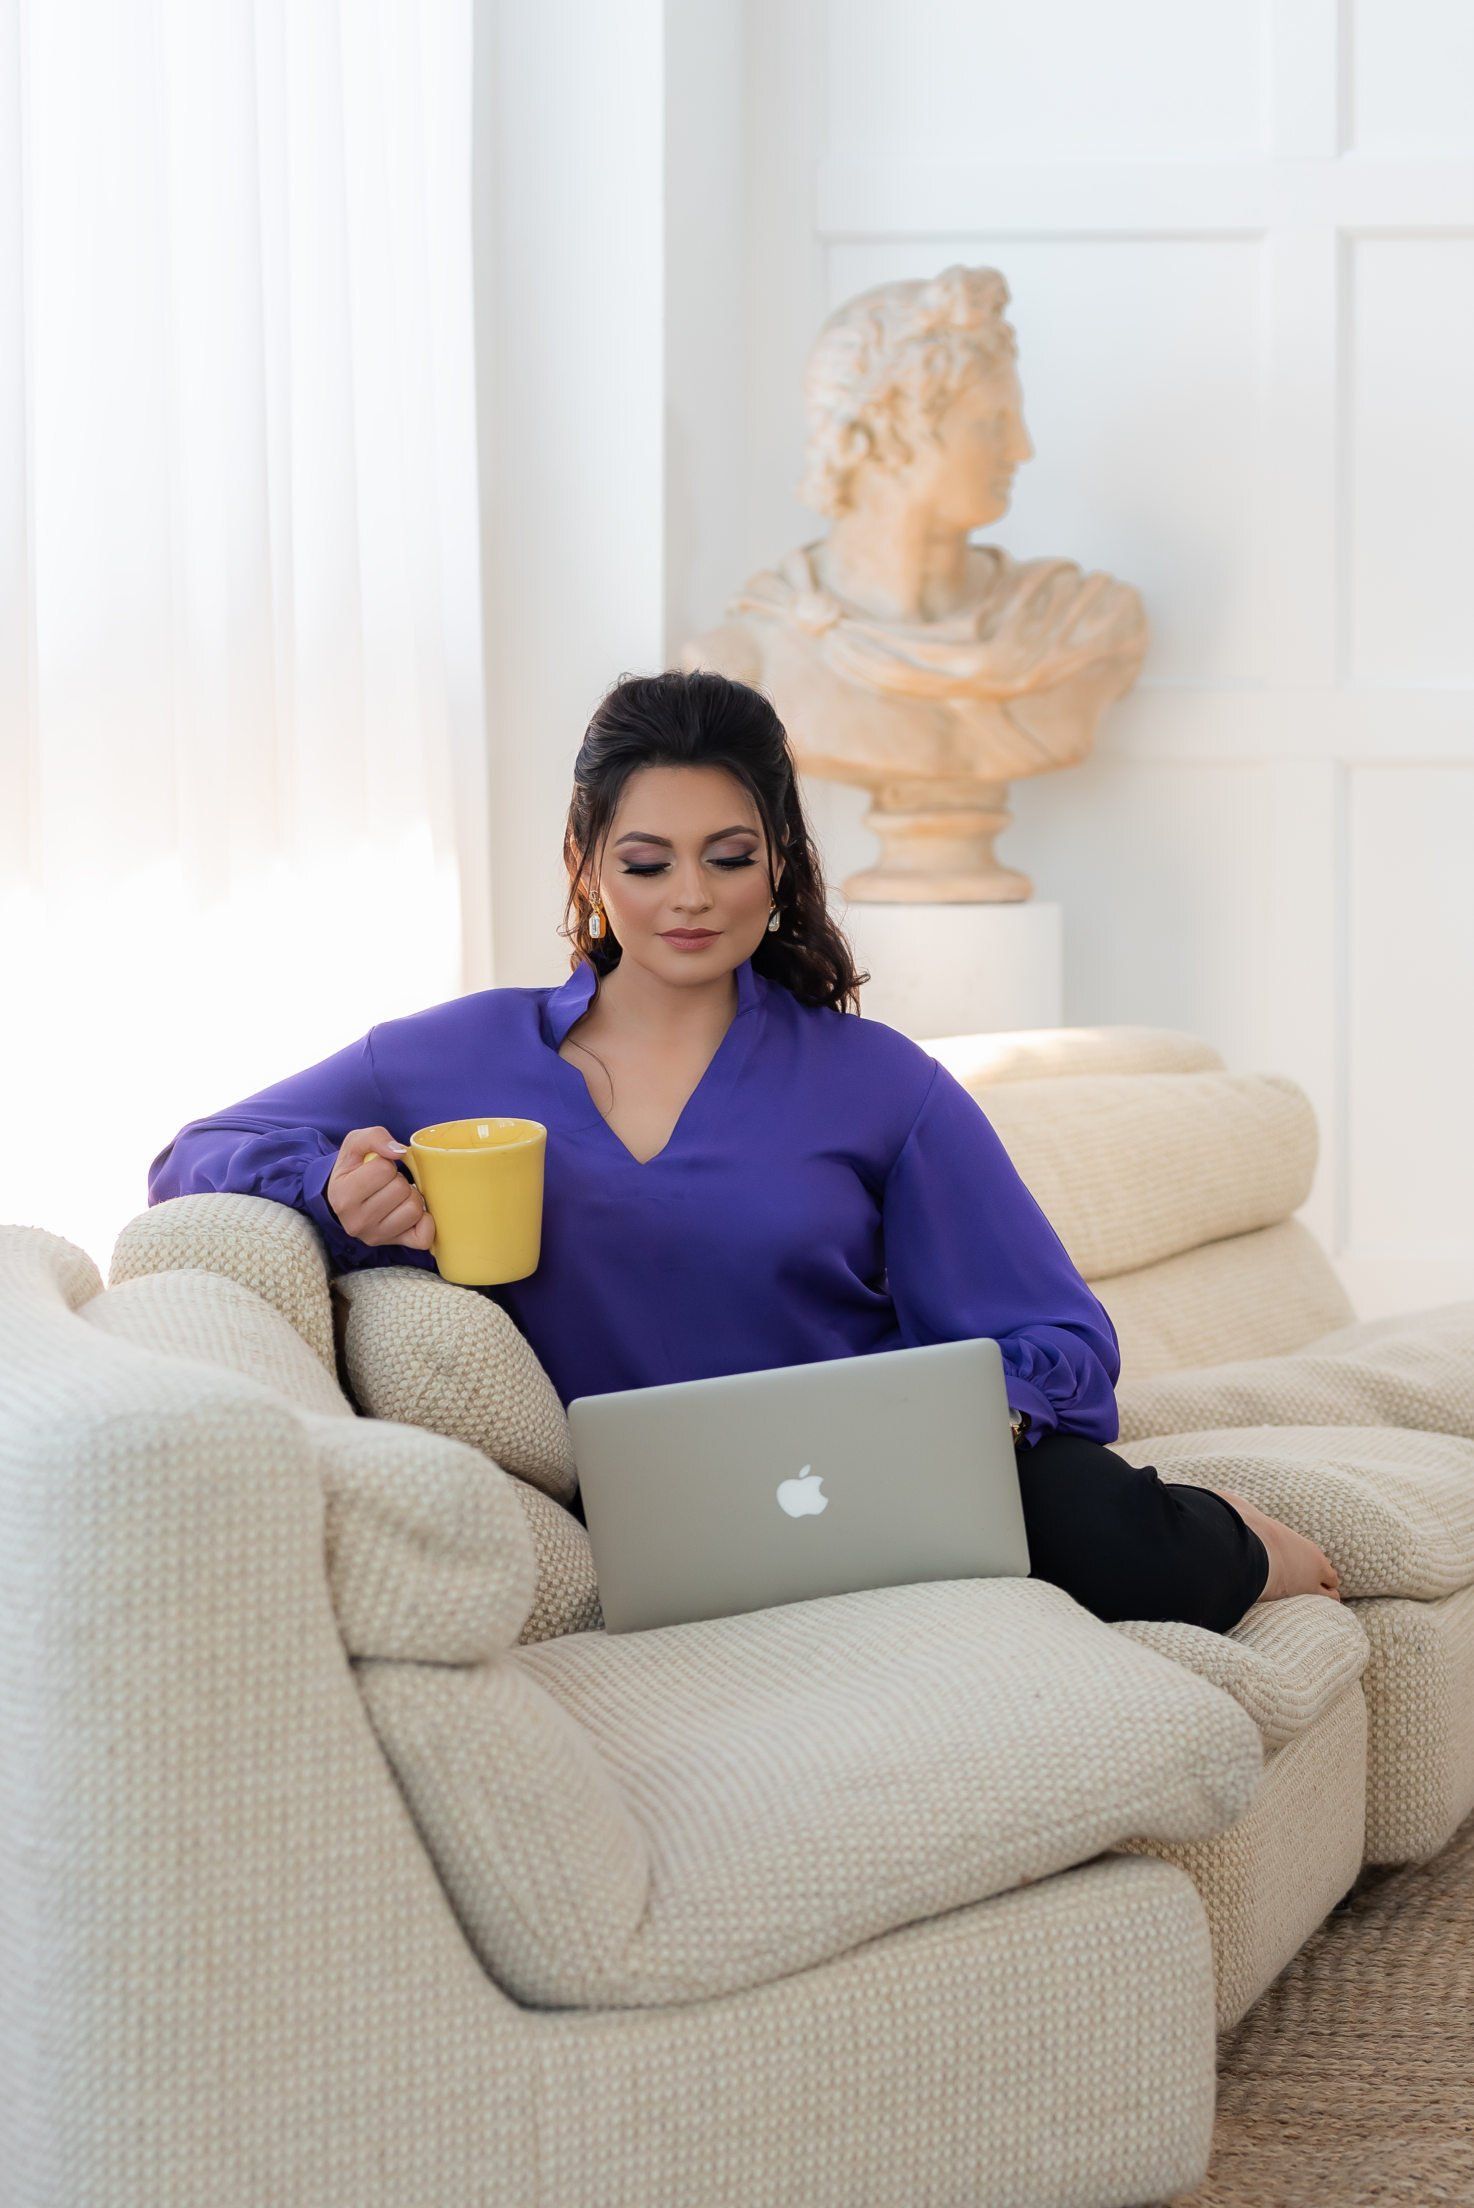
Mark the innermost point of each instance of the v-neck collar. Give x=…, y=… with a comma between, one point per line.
x=570, y=1000
x=563, y=1005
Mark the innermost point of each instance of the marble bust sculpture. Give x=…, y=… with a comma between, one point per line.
x=900, y=656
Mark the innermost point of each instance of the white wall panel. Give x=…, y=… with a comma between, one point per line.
x=1410, y=460
x=1410, y=951
x=1175, y=947
x=1053, y=80
x=1411, y=70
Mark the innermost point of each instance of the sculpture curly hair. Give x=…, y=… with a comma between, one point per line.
x=886, y=366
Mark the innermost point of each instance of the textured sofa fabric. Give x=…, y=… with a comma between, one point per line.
x=1413, y=1370
x=427, y=1550
x=1142, y=1166
x=662, y=1816
x=233, y=1974
x=1297, y=1667
x=269, y=1248
x=1251, y=1295
x=417, y=1539
x=1419, y=1685
x=1322, y=1822
x=218, y=1319
x=1285, y=1663
x=1269, y=1881
x=425, y=1352
x=1030, y=1053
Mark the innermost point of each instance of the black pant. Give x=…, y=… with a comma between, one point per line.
x=1128, y=1544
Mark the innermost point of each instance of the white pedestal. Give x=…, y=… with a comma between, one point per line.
x=958, y=969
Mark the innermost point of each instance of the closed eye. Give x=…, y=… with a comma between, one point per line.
x=657, y=869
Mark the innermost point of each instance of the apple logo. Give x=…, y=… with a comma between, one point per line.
x=801, y=1497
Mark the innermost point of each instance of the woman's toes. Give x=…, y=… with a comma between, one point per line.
x=1305, y=1562
x=1297, y=1565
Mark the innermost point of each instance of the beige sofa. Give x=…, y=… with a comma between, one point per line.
x=346, y=1860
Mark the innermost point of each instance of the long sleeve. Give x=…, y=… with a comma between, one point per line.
x=282, y=1143
x=969, y=1252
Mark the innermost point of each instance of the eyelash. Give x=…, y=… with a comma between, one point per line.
x=665, y=862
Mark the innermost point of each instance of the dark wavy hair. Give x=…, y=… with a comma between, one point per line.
x=702, y=719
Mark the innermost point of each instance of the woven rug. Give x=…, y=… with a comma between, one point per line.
x=1351, y=2079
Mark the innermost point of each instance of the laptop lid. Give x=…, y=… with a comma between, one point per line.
x=703, y=1498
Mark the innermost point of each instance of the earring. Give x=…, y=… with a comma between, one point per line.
x=773, y=920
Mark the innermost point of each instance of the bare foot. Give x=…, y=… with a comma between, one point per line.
x=1296, y=1565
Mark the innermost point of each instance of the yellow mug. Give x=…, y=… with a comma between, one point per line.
x=482, y=1181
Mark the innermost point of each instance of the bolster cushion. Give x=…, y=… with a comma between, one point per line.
x=1133, y=1168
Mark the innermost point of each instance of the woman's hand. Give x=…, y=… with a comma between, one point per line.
x=369, y=1196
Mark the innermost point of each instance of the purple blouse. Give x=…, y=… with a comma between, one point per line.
x=829, y=1190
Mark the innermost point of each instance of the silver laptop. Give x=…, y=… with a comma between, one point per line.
x=707, y=1497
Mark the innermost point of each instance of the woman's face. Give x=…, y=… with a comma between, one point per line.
x=685, y=850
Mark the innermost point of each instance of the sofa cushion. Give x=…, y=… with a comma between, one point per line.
x=567, y=1598
x=210, y=1316
x=1285, y=1663
x=1252, y=1295
x=424, y=1352
x=1393, y=1510
x=1411, y=1369
x=1131, y=1168
x=268, y=1247
x=669, y=1815
x=429, y=1555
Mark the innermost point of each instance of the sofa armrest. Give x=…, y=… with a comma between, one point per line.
x=266, y=1246
x=219, y=1935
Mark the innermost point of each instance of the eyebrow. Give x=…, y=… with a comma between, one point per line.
x=637, y=835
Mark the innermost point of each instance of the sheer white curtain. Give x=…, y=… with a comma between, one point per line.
x=242, y=791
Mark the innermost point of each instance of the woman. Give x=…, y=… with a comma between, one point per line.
x=740, y=1173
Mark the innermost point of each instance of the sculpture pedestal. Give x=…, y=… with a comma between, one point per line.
x=958, y=969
